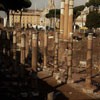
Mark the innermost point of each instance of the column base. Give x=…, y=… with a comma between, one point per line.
x=59, y=78
x=61, y=36
x=56, y=75
x=70, y=81
x=45, y=68
x=50, y=96
x=88, y=90
x=50, y=72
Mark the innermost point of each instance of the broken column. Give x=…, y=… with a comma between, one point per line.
x=14, y=45
x=50, y=96
x=22, y=60
x=27, y=45
x=69, y=59
x=34, y=80
x=88, y=87
x=34, y=50
x=56, y=52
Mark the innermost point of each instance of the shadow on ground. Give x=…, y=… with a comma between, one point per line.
x=16, y=83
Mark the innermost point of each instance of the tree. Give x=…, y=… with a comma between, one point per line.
x=95, y=3
x=14, y=5
x=77, y=11
x=93, y=20
x=2, y=7
x=53, y=13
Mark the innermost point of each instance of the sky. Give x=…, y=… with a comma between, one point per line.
x=40, y=4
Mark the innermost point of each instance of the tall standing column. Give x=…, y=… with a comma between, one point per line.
x=14, y=45
x=62, y=18
x=70, y=16
x=88, y=86
x=45, y=49
x=34, y=50
x=22, y=60
x=66, y=11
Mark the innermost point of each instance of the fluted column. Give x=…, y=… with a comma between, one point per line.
x=62, y=18
x=66, y=11
x=70, y=16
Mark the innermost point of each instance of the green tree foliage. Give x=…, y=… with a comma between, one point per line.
x=93, y=20
x=53, y=13
x=94, y=3
x=2, y=7
x=77, y=11
x=14, y=5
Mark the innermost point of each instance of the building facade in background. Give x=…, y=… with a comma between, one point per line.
x=81, y=20
x=45, y=21
x=29, y=18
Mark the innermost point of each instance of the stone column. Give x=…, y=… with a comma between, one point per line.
x=69, y=59
x=62, y=18
x=14, y=45
x=88, y=86
x=34, y=50
x=27, y=45
x=22, y=60
x=70, y=18
x=45, y=49
x=34, y=79
x=66, y=11
x=56, y=52
x=50, y=96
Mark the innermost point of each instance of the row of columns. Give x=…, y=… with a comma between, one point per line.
x=66, y=18
x=24, y=47
x=70, y=51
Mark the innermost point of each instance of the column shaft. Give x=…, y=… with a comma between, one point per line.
x=56, y=52
x=14, y=45
x=89, y=61
x=66, y=11
x=34, y=51
x=22, y=60
x=70, y=20
x=62, y=18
